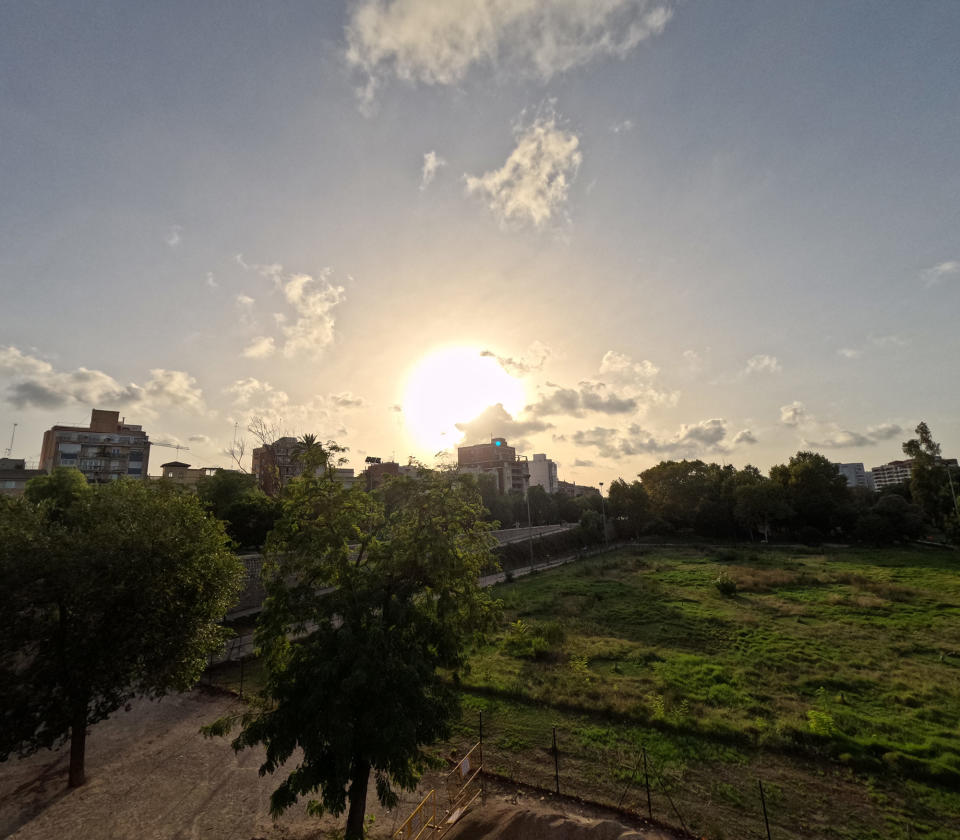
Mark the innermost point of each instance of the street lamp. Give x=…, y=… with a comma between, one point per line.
x=529, y=521
x=603, y=515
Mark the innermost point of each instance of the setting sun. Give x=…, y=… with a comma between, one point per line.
x=451, y=386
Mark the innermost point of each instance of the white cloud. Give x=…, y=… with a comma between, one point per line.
x=437, y=43
x=212, y=281
x=936, y=274
x=532, y=186
x=621, y=366
x=203, y=439
x=793, y=414
x=432, y=163
x=622, y=127
x=36, y=383
x=884, y=431
x=533, y=359
x=850, y=352
x=744, y=436
x=252, y=397
x=312, y=300
x=693, y=361
x=245, y=300
x=688, y=440
x=762, y=363
x=841, y=439
x=174, y=236
x=262, y=347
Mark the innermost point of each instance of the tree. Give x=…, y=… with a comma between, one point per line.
x=815, y=491
x=113, y=592
x=629, y=503
x=387, y=596
x=248, y=513
x=675, y=489
x=761, y=506
x=930, y=480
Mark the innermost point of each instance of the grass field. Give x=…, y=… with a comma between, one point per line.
x=834, y=679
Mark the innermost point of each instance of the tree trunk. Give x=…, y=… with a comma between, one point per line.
x=358, y=800
x=78, y=744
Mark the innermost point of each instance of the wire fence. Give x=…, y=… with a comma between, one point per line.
x=627, y=777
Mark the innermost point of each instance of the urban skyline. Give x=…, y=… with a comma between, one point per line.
x=614, y=233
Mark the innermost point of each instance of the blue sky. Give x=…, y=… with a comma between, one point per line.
x=726, y=231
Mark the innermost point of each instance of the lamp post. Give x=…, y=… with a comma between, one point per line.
x=529, y=521
x=603, y=515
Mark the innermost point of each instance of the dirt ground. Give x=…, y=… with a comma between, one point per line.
x=151, y=776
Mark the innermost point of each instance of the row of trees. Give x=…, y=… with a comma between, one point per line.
x=805, y=499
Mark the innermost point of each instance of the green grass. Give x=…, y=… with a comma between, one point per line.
x=833, y=678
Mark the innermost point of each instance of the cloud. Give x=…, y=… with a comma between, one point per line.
x=884, y=431
x=793, y=414
x=204, y=439
x=841, y=439
x=251, y=397
x=345, y=400
x=212, y=281
x=532, y=360
x=36, y=383
x=579, y=462
x=744, y=436
x=693, y=361
x=936, y=274
x=432, y=163
x=623, y=367
x=850, y=352
x=262, y=347
x=312, y=300
x=591, y=396
x=762, y=363
x=532, y=186
x=174, y=236
x=496, y=421
x=622, y=127
x=397, y=408
x=245, y=300
x=707, y=435
x=426, y=42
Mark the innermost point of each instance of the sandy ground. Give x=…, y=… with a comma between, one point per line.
x=151, y=776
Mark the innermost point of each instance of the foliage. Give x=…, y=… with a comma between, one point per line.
x=107, y=592
x=234, y=498
x=930, y=485
x=725, y=584
x=815, y=491
x=388, y=596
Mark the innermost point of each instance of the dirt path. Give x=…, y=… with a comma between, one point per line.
x=151, y=776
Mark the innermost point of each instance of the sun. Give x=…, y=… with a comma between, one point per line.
x=454, y=385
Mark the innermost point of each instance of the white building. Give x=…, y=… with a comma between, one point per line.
x=856, y=475
x=543, y=472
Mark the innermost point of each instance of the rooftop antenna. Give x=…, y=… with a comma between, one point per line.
x=13, y=434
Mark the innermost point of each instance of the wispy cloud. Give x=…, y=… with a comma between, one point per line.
x=622, y=127
x=437, y=43
x=532, y=186
x=621, y=366
x=705, y=436
x=312, y=299
x=174, y=236
x=533, y=359
x=745, y=436
x=938, y=273
x=762, y=363
x=793, y=414
x=432, y=163
x=211, y=280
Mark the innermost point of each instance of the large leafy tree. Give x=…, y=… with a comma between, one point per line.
x=248, y=513
x=930, y=480
x=814, y=490
x=387, y=595
x=107, y=593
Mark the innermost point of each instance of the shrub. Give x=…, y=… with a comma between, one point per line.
x=725, y=584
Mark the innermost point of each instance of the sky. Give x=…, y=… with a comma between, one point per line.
x=612, y=231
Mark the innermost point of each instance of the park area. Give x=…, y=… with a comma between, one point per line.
x=832, y=679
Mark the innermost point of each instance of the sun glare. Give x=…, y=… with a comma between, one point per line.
x=454, y=385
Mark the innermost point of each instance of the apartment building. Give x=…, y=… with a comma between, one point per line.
x=14, y=476
x=856, y=475
x=108, y=449
x=897, y=472
x=499, y=459
x=543, y=472
x=179, y=473
x=276, y=463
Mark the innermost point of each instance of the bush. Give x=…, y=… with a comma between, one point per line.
x=725, y=584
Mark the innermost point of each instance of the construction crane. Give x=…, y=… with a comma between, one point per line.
x=176, y=446
x=13, y=434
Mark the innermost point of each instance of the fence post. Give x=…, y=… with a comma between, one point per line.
x=763, y=801
x=556, y=759
x=483, y=787
x=646, y=781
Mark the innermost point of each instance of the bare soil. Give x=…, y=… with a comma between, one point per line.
x=152, y=776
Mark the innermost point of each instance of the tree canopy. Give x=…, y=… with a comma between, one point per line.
x=386, y=588
x=108, y=592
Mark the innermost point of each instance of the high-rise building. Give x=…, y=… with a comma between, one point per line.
x=498, y=459
x=274, y=464
x=897, y=472
x=108, y=449
x=856, y=475
x=543, y=472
